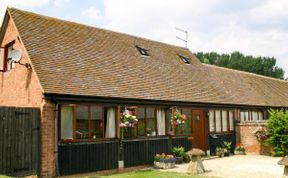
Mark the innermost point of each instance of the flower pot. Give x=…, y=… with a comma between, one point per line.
x=179, y=160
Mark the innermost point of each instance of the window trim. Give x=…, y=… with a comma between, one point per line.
x=5, y=60
x=60, y=140
x=250, y=115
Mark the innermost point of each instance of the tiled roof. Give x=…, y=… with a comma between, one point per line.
x=70, y=58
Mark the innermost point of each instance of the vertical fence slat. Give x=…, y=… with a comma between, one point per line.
x=18, y=141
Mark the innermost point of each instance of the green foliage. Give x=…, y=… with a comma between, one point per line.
x=227, y=146
x=278, y=132
x=178, y=151
x=236, y=60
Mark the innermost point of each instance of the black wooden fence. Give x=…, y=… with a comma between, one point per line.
x=19, y=140
x=86, y=157
x=216, y=140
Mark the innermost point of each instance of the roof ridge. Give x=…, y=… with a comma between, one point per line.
x=245, y=72
x=99, y=28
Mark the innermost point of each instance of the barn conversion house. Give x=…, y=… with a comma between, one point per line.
x=65, y=86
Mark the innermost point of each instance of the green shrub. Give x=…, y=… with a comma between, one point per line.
x=278, y=132
x=178, y=151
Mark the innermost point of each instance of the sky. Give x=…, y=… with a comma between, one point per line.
x=253, y=27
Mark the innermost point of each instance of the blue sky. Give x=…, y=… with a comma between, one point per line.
x=253, y=27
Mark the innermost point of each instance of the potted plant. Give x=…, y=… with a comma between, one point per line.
x=178, y=152
x=239, y=150
x=227, y=148
x=219, y=151
x=163, y=161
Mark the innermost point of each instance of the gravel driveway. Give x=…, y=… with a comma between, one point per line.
x=242, y=166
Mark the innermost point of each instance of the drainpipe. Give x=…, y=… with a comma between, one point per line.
x=56, y=138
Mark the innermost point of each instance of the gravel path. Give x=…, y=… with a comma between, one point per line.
x=242, y=166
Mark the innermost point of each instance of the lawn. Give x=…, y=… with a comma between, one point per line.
x=149, y=174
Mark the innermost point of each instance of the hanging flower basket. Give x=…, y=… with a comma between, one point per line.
x=260, y=133
x=179, y=121
x=128, y=121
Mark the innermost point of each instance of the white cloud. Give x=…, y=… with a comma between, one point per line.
x=270, y=9
x=20, y=4
x=91, y=12
x=212, y=25
x=60, y=3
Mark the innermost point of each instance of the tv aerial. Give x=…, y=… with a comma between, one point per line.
x=186, y=35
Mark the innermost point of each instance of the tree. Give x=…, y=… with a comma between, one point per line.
x=278, y=132
x=236, y=60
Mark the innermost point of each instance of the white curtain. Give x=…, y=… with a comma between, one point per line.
x=218, y=120
x=224, y=121
x=110, y=124
x=211, y=121
x=161, y=121
x=66, y=122
x=231, y=120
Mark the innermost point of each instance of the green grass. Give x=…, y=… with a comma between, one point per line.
x=150, y=174
x=2, y=176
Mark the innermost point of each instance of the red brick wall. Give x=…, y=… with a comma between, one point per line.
x=244, y=135
x=20, y=87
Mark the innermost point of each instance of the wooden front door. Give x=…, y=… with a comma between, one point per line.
x=199, y=130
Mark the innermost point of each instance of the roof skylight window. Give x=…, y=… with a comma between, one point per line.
x=143, y=51
x=184, y=59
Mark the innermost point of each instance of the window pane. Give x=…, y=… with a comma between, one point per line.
x=218, y=121
x=254, y=116
x=82, y=123
x=2, y=59
x=261, y=116
x=150, y=115
x=66, y=122
x=246, y=116
x=187, y=128
x=231, y=120
x=169, y=115
x=141, y=122
x=242, y=116
x=224, y=121
x=96, y=122
x=211, y=121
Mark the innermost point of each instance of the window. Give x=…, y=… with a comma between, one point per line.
x=224, y=121
x=221, y=121
x=231, y=120
x=252, y=116
x=187, y=129
x=184, y=59
x=143, y=51
x=67, y=122
x=82, y=122
x=218, y=121
x=147, y=121
x=211, y=121
x=6, y=62
x=96, y=123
